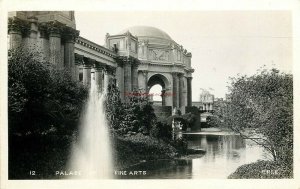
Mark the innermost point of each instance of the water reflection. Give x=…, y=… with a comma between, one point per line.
x=224, y=153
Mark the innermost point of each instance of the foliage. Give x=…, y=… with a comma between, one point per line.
x=181, y=145
x=214, y=121
x=162, y=131
x=41, y=98
x=135, y=115
x=189, y=120
x=45, y=155
x=264, y=103
x=261, y=170
x=135, y=148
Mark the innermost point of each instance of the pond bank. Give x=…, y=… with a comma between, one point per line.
x=138, y=149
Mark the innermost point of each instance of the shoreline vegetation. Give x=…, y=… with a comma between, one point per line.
x=45, y=104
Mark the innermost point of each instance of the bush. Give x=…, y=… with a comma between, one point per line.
x=135, y=148
x=44, y=106
x=41, y=98
x=162, y=131
x=261, y=170
x=136, y=115
x=181, y=145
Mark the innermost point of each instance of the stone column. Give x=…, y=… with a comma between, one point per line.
x=55, y=44
x=163, y=97
x=185, y=91
x=181, y=95
x=175, y=90
x=78, y=62
x=15, y=33
x=99, y=69
x=145, y=73
x=87, y=66
x=189, y=91
x=44, y=40
x=134, y=75
x=178, y=93
x=31, y=35
x=69, y=56
x=107, y=77
x=120, y=78
x=168, y=96
x=127, y=77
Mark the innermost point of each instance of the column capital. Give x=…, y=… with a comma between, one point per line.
x=176, y=74
x=17, y=25
x=99, y=66
x=70, y=34
x=55, y=28
x=78, y=59
x=127, y=60
x=144, y=72
x=180, y=75
x=88, y=62
x=110, y=70
x=44, y=33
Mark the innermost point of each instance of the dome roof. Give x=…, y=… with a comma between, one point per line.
x=147, y=31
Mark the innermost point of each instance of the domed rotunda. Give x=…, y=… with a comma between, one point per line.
x=161, y=61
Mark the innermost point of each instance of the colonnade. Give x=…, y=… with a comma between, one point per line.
x=103, y=74
x=182, y=95
x=208, y=106
x=53, y=40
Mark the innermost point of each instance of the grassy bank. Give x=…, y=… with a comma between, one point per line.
x=136, y=148
x=262, y=170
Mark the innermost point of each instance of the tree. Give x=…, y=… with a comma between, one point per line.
x=260, y=108
x=41, y=97
x=134, y=115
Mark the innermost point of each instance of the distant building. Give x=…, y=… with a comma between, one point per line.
x=207, y=101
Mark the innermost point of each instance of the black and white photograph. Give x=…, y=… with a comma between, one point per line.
x=149, y=95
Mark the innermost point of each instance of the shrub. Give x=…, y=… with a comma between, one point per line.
x=41, y=98
x=161, y=130
x=181, y=145
x=132, y=149
x=135, y=115
x=261, y=170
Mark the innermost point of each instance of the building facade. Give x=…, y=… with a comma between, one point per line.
x=135, y=59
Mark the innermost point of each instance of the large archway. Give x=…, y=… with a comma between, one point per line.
x=154, y=82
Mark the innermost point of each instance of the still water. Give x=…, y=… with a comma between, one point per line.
x=224, y=154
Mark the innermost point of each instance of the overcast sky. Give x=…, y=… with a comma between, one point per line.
x=223, y=43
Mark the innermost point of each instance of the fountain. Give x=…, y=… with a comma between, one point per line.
x=91, y=155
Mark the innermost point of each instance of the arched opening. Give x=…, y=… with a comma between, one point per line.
x=157, y=86
x=155, y=94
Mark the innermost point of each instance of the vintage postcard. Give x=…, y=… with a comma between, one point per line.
x=115, y=95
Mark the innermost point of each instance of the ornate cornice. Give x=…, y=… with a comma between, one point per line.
x=91, y=45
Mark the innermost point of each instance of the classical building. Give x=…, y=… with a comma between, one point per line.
x=206, y=101
x=135, y=59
